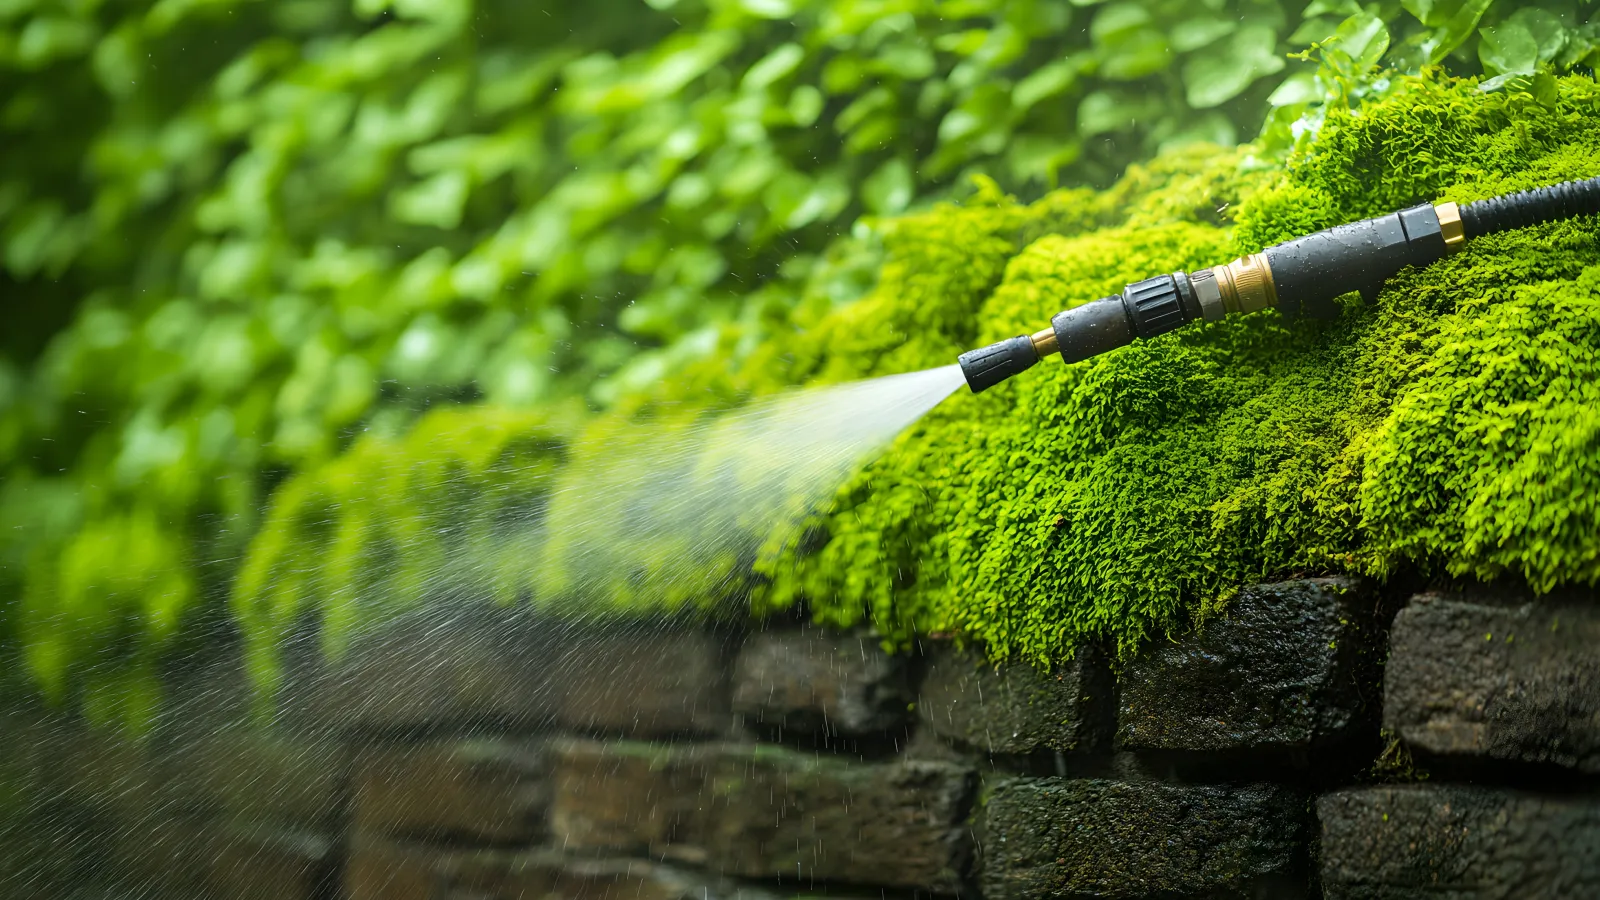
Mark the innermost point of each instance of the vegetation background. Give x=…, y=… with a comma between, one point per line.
x=239, y=238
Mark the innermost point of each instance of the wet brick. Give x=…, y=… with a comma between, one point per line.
x=1518, y=681
x=1056, y=837
x=821, y=681
x=1433, y=842
x=1290, y=666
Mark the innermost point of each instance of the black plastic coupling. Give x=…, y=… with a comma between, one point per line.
x=1309, y=272
x=1158, y=305
x=986, y=367
x=1143, y=310
x=1520, y=210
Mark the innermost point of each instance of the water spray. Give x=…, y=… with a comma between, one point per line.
x=1298, y=278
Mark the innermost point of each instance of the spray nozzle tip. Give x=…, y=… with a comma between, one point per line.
x=986, y=367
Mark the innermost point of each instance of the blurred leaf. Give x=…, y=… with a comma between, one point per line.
x=1362, y=39
x=1211, y=79
x=1452, y=29
x=1508, y=48
x=1197, y=32
x=1136, y=55
x=1046, y=81
x=889, y=189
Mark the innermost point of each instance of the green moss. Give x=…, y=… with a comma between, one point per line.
x=1448, y=425
x=394, y=522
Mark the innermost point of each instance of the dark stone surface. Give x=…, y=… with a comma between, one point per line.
x=183, y=856
x=1514, y=682
x=821, y=681
x=1056, y=837
x=256, y=862
x=1016, y=709
x=473, y=665
x=1456, y=842
x=641, y=682
x=385, y=870
x=381, y=869
x=1290, y=666
x=899, y=824
x=629, y=796
x=259, y=774
x=485, y=790
x=548, y=873
x=507, y=667
x=762, y=812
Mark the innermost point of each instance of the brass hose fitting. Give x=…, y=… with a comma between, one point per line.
x=1246, y=284
x=1450, y=226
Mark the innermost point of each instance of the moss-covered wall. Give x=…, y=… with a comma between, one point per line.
x=1449, y=424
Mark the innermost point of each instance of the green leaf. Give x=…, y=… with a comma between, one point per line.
x=1045, y=81
x=1144, y=52
x=1211, y=79
x=1344, y=9
x=1548, y=34
x=889, y=189
x=1119, y=23
x=435, y=201
x=1362, y=38
x=784, y=59
x=1508, y=48
x=1108, y=111
x=1301, y=87
x=1454, y=30
x=1198, y=31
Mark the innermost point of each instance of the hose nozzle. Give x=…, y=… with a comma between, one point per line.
x=1298, y=278
x=986, y=367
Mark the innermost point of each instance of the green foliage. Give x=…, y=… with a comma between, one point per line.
x=1449, y=425
x=396, y=521
x=235, y=237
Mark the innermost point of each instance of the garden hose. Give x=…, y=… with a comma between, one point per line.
x=1299, y=277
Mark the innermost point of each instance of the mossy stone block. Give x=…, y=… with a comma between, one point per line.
x=1288, y=666
x=1502, y=678
x=763, y=812
x=820, y=681
x=1078, y=838
x=1013, y=709
x=485, y=790
x=1431, y=842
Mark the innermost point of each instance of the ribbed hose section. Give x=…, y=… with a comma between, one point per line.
x=1547, y=204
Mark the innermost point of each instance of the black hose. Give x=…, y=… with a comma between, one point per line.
x=1547, y=204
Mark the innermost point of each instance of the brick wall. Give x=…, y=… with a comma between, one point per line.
x=493, y=755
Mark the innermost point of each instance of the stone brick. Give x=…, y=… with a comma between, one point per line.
x=124, y=781
x=821, y=681
x=764, y=812
x=477, y=663
x=264, y=863
x=1513, y=682
x=389, y=871
x=1054, y=837
x=899, y=824
x=549, y=873
x=261, y=774
x=640, y=682
x=509, y=667
x=184, y=856
x=1290, y=666
x=237, y=773
x=1017, y=708
x=381, y=869
x=484, y=790
x=629, y=797
x=1433, y=842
